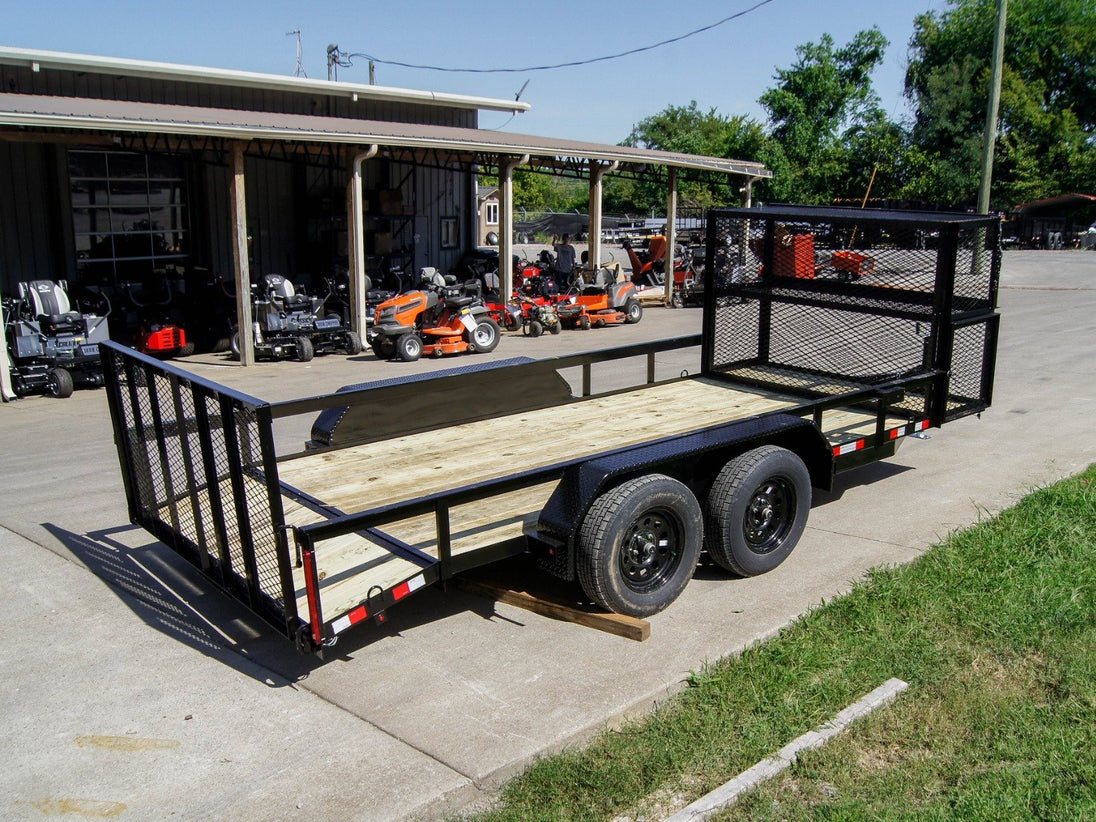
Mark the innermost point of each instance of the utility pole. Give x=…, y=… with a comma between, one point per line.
x=989, y=137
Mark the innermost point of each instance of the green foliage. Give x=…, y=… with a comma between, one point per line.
x=1048, y=99
x=826, y=118
x=688, y=130
x=827, y=134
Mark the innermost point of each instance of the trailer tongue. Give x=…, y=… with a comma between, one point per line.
x=829, y=335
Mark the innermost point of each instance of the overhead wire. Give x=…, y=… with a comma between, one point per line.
x=346, y=60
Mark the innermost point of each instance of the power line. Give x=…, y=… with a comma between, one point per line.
x=346, y=60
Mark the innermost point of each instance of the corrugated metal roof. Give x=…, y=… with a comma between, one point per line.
x=41, y=112
x=64, y=61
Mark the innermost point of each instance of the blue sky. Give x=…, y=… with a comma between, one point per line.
x=727, y=68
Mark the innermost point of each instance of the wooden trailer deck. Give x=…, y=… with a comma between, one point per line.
x=367, y=476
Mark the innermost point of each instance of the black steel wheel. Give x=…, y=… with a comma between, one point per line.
x=383, y=346
x=633, y=311
x=409, y=347
x=639, y=544
x=305, y=350
x=60, y=383
x=757, y=510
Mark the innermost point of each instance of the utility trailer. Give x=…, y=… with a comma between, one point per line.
x=805, y=373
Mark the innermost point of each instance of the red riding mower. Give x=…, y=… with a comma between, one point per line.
x=606, y=302
x=648, y=264
x=440, y=318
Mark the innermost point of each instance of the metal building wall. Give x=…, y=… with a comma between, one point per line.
x=31, y=240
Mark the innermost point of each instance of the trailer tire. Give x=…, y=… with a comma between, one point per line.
x=409, y=347
x=60, y=383
x=639, y=544
x=384, y=347
x=757, y=510
x=633, y=311
x=305, y=350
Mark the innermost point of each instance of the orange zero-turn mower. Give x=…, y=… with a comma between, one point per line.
x=438, y=319
x=606, y=302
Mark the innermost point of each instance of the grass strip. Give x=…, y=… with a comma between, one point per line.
x=994, y=629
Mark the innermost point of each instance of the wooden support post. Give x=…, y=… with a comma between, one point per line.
x=355, y=223
x=7, y=391
x=598, y=171
x=671, y=235
x=506, y=222
x=240, y=256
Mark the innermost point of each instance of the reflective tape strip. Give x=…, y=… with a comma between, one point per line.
x=348, y=619
x=912, y=428
x=848, y=448
x=405, y=588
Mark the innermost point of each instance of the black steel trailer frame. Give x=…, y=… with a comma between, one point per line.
x=909, y=340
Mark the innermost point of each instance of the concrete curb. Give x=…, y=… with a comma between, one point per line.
x=769, y=767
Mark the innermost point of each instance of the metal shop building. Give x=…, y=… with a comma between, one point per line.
x=114, y=169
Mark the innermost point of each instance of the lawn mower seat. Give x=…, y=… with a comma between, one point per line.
x=281, y=290
x=49, y=302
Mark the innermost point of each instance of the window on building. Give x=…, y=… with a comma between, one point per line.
x=129, y=213
x=491, y=213
x=450, y=236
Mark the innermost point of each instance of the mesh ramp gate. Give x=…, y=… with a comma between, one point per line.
x=823, y=301
x=198, y=464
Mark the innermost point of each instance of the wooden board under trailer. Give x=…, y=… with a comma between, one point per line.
x=362, y=477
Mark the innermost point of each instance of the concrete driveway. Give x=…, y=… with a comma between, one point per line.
x=136, y=690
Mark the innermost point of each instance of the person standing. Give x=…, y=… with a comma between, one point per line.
x=565, y=260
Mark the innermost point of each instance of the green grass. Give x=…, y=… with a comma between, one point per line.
x=994, y=630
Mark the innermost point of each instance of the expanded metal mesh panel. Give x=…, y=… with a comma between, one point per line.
x=968, y=389
x=257, y=500
x=824, y=302
x=192, y=482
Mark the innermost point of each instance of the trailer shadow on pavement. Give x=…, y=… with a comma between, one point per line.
x=863, y=476
x=171, y=597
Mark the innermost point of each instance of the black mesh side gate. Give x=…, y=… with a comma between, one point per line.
x=823, y=301
x=199, y=470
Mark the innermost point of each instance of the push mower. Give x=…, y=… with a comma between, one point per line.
x=286, y=324
x=52, y=348
x=536, y=318
x=606, y=302
x=440, y=318
x=150, y=314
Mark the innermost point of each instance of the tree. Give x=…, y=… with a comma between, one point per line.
x=1048, y=100
x=824, y=113
x=687, y=129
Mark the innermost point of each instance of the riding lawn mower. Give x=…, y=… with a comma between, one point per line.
x=439, y=318
x=52, y=347
x=287, y=325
